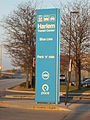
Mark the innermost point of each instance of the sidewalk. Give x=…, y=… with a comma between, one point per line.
x=30, y=104
x=33, y=92
x=31, y=95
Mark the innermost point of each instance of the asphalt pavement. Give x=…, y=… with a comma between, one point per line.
x=7, y=83
x=26, y=100
x=23, y=114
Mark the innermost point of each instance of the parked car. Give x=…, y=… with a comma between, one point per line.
x=85, y=79
x=62, y=78
x=73, y=83
x=86, y=83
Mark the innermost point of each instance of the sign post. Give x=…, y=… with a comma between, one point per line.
x=47, y=56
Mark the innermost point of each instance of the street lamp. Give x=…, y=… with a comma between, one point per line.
x=0, y=59
x=70, y=61
x=71, y=13
x=78, y=59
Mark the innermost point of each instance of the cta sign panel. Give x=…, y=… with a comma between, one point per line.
x=47, y=56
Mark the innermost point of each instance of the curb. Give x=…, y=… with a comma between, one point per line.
x=36, y=107
x=76, y=93
x=33, y=97
x=20, y=96
x=20, y=91
x=33, y=92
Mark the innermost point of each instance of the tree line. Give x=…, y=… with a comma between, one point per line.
x=20, y=27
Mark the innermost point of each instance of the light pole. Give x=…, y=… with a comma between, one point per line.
x=0, y=59
x=70, y=61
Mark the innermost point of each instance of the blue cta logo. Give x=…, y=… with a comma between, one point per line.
x=45, y=75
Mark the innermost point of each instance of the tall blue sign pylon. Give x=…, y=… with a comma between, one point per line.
x=47, y=55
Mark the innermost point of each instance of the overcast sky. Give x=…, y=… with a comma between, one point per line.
x=7, y=6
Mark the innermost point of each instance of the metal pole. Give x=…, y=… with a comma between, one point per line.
x=79, y=61
x=69, y=73
x=0, y=60
x=79, y=71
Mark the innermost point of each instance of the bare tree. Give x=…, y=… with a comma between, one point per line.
x=64, y=63
x=75, y=31
x=20, y=27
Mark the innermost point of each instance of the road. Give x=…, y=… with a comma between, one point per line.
x=19, y=114
x=4, y=84
x=80, y=110
x=7, y=83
